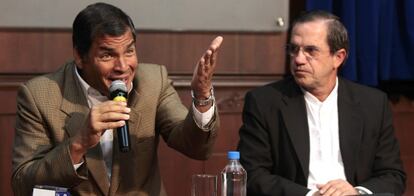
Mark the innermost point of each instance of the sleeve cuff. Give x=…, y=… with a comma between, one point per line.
x=311, y=192
x=202, y=119
x=362, y=190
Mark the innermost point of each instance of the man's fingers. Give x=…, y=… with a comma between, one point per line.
x=113, y=116
x=328, y=187
x=101, y=127
x=209, y=57
x=111, y=112
x=111, y=125
x=337, y=187
x=324, y=188
x=213, y=59
x=201, y=65
x=215, y=44
x=204, y=63
x=203, y=72
x=329, y=191
x=111, y=106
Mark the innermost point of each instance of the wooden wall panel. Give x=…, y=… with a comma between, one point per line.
x=8, y=99
x=41, y=51
x=239, y=54
x=403, y=112
x=8, y=92
x=7, y=134
x=179, y=169
x=33, y=51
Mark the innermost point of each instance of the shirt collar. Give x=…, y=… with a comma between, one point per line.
x=332, y=96
x=86, y=88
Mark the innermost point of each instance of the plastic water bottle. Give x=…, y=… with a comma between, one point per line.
x=233, y=176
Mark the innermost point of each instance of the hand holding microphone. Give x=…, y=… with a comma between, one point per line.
x=119, y=92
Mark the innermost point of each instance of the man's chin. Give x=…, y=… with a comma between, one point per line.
x=299, y=78
x=301, y=81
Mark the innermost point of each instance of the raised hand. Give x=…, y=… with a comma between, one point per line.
x=203, y=73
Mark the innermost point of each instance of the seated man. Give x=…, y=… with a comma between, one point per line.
x=316, y=133
x=66, y=126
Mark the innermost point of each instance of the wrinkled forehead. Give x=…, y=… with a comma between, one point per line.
x=124, y=40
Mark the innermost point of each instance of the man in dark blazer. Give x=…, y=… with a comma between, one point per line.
x=316, y=133
x=66, y=126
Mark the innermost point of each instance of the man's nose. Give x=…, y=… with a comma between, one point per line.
x=299, y=57
x=121, y=64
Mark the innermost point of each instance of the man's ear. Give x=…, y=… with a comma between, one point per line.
x=78, y=58
x=339, y=57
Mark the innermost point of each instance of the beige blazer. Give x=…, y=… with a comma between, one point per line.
x=52, y=108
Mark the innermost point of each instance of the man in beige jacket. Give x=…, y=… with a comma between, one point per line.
x=66, y=127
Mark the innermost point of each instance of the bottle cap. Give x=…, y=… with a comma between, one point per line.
x=233, y=155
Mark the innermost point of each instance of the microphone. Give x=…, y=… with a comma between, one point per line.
x=118, y=92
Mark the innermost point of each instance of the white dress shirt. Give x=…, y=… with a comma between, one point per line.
x=94, y=97
x=325, y=162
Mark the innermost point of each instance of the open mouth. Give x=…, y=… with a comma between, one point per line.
x=123, y=79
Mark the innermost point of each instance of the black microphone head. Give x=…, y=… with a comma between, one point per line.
x=117, y=85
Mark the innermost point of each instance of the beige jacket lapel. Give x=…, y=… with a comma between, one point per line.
x=75, y=105
x=119, y=161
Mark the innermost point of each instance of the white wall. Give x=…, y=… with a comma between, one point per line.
x=170, y=15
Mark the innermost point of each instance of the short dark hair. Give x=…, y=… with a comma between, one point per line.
x=97, y=20
x=337, y=35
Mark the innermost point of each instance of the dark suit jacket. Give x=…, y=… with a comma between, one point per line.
x=274, y=140
x=52, y=108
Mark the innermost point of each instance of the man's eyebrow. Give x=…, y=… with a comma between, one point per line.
x=131, y=44
x=311, y=46
x=108, y=49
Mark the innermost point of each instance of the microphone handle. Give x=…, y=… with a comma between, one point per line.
x=123, y=138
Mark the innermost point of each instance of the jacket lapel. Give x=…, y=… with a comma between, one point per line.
x=75, y=105
x=350, y=126
x=120, y=159
x=350, y=129
x=96, y=166
x=293, y=112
